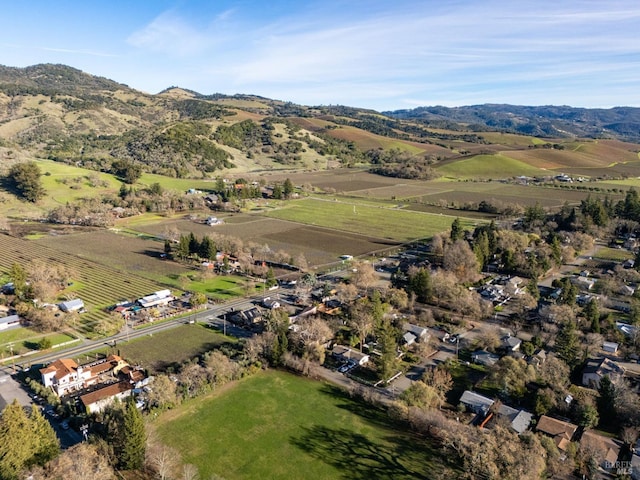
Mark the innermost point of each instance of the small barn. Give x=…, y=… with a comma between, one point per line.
x=75, y=305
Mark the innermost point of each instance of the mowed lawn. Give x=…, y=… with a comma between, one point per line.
x=366, y=219
x=275, y=425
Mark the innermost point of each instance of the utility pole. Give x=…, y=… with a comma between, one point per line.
x=13, y=360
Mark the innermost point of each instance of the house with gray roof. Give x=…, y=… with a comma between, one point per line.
x=596, y=368
x=519, y=420
x=75, y=305
x=475, y=402
x=482, y=357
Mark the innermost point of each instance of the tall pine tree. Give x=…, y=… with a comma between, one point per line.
x=134, y=438
x=26, y=440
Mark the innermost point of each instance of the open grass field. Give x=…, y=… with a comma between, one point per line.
x=488, y=166
x=274, y=425
x=613, y=254
x=100, y=285
x=22, y=340
x=171, y=348
x=512, y=139
x=62, y=183
x=221, y=287
x=375, y=221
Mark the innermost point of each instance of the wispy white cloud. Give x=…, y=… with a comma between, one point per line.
x=173, y=35
x=408, y=51
x=79, y=52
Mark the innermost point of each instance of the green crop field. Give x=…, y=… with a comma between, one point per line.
x=278, y=426
x=375, y=221
x=488, y=166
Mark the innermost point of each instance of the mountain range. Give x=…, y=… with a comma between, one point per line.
x=61, y=113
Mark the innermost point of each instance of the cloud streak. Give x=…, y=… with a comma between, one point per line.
x=381, y=55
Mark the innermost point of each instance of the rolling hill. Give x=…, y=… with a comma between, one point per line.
x=62, y=114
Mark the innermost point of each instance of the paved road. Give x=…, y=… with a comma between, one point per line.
x=211, y=314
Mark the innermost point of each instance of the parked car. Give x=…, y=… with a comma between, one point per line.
x=344, y=368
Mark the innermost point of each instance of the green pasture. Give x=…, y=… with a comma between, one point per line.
x=510, y=139
x=279, y=426
x=25, y=339
x=613, y=254
x=170, y=348
x=220, y=287
x=180, y=184
x=488, y=166
x=366, y=219
x=78, y=185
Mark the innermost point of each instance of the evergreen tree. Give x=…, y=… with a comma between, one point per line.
x=194, y=244
x=18, y=276
x=207, y=248
x=271, y=278
x=567, y=346
x=420, y=284
x=183, y=247
x=124, y=191
x=134, y=438
x=481, y=249
x=592, y=314
x=606, y=401
x=287, y=188
x=457, y=231
x=532, y=288
x=47, y=446
x=167, y=247
x=27, y=440
x=277, y=192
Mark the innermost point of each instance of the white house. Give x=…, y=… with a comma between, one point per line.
x=161, y=297
x=64, y=376
x=345, y=353
x=10, y=321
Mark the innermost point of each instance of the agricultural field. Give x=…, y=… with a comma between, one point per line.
x=596, y=156
x=279, y=426
x=489, y=166
x=169, y=349
x=319, y=245
x=375, y=221
x=98, y=285
x=370, y=141
x=460, y=193
x=127, y=252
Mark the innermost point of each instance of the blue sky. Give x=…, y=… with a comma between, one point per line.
x=384, y=55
